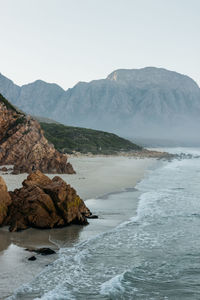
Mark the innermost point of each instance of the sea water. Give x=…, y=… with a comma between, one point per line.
x=153, y=255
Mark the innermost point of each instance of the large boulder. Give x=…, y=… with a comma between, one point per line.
x=45, y=203
x=5, y=201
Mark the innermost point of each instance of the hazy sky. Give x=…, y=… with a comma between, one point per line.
x=66, y=41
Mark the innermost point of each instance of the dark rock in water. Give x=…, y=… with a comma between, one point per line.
x=44, y=203
x=42, y=251
x=32, y=258
x=92, y=217
x=45, y=251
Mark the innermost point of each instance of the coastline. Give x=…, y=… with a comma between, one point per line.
x=104, y=184
x=97, y=175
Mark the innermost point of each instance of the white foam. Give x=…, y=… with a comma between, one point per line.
x=57, y=294
x=93, y=264
x=113, y=286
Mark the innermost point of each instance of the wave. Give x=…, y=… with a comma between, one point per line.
x=154, y=255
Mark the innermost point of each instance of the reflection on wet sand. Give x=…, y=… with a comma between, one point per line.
x=31, y=238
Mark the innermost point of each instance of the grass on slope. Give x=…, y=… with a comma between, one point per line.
x=67, y=139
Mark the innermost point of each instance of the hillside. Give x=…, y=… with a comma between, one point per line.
x=68, y=139
x=147, y=103
x=23, y=145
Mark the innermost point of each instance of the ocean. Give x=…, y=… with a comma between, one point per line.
x=154, y=255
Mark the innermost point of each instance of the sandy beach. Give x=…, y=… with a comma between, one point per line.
x=97, y=180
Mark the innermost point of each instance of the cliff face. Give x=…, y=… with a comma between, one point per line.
x=23, y=144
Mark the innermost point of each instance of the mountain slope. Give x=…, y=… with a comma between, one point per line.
x=37, y=98
x=8, y=89
x=23, y=144
x=68, y=139
x=149, y=102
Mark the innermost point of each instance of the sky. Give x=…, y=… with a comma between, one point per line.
x=67, y=41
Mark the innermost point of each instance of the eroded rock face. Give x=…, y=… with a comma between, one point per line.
x=45, y=203
x=5, y=200
x=23, y=144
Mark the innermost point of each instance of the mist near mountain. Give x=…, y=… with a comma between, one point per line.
x=147, y=103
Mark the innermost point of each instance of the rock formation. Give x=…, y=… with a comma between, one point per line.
x=41, y=203
x=23, y=144
x=5, y=200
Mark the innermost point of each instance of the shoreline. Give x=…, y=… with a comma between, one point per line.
x=96, y=176
x=143, y=153
x=99, y=175
x=104, y=184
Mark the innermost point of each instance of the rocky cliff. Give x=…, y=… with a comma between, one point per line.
x=41, y=203
x=23, y=144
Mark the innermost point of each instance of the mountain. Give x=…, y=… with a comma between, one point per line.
x=67, y=139
x=148, y=103
x=23, y=144
x=8, y=89
x=37, y=98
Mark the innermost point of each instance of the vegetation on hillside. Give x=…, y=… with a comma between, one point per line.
x=67, y=139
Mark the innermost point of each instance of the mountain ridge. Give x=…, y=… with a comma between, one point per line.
x=151, y=102
x=108, y=77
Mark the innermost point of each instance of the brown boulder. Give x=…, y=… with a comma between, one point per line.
x=5, y=201
x=36, y=178
x=45, y=203
x=4, y=169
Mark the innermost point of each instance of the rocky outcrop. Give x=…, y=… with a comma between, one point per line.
x=23, y=144
x=5, y=200
x=44, y=203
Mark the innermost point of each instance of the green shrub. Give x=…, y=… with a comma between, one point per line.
x=67, y=139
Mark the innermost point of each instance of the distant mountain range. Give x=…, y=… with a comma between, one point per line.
x=148, y=103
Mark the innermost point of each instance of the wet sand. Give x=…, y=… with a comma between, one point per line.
x=98, y=179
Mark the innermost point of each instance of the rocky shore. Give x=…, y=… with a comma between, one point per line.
x=41, y=203
x=94, y=177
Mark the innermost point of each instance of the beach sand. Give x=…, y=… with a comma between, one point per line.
x=97, y=181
